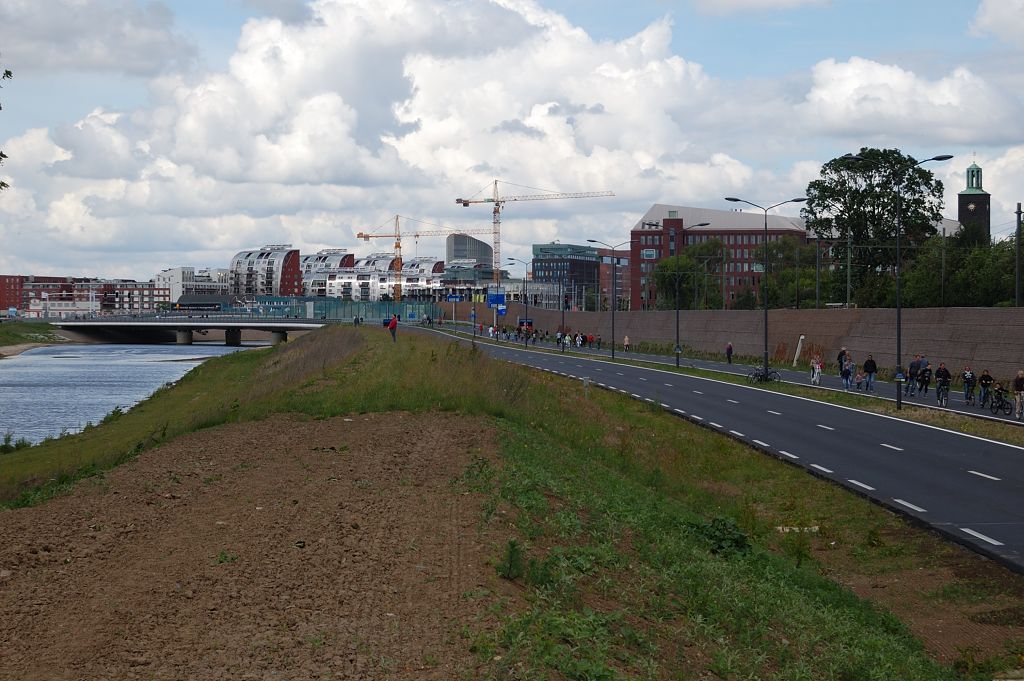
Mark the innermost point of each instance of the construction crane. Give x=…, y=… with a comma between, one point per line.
x=498, y=200
x=396, y=265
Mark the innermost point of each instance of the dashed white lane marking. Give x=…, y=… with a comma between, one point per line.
x=600, y=385
x=699, y=418
x=665, y=406
x=624, y=392
x=642, y=378
x=716, y=425
x=733, y=401
x=634, y=395
x=648, y=399
x=777, y=413
x=785, y=453
x=825, y=427
x=598, y=369
x=909, y=505
x=669, y=385
x=861, y=484
x=983, y=475
x=737, y=433
x=763, y=444
x=618, y=373
x=820, y=468
x=571, y=376
x=679, y=411
x=980, y=536
x=894, y=447
x=697, y=392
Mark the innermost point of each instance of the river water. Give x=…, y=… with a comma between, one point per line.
x=47, y=391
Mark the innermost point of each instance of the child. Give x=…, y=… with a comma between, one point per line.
x=816, y=370
x=859, y=379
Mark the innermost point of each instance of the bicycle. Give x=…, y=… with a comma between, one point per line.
x=758, y=375
x=970, y=395
x=942, y=394
x=999, y=402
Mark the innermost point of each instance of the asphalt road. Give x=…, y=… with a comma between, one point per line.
x=963, y=486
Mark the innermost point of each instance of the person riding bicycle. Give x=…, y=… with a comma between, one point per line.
x=942, y=380
x=985, y=382
x=970, y=380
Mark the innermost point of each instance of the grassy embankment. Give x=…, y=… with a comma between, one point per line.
x=19, y=332
x=645, y=546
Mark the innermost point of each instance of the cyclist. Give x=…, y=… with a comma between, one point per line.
x=942, y=379
x=969, y=380
x=985, y=382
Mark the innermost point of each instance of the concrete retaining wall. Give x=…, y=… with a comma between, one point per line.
x=984, y=338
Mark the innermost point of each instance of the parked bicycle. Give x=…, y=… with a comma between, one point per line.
x=758, y=375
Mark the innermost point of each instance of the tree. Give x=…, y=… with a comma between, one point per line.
x=698, y=269
x=854, y=203
x=6, y=75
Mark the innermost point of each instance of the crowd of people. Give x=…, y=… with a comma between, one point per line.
x=917, y=378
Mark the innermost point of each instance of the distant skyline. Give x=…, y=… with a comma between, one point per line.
x=148, y=135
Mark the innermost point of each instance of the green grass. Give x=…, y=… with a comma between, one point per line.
x=645, y=546
x=19, y=332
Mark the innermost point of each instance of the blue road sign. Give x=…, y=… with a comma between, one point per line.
x=455, y=299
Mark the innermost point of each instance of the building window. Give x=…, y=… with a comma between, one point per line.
x=673, y=213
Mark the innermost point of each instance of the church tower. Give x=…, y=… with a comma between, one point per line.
x=974, y=210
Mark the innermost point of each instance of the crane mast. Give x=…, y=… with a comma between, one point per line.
x=498, y=200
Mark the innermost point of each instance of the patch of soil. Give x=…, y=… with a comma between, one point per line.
x=272, y=550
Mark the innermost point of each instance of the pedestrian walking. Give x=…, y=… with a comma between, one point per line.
x=846, y=372
x=1018, y=394
x=841, y=360
x=625, y=344
x=870, y=369
x=985, y=382
x=393, y=328
x=816, y=370
x=912, y=372
x=924, y=378
x=728, y=353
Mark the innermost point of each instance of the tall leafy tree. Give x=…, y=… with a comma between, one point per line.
x=6, y=75
x=698, y=270
x=855, y=204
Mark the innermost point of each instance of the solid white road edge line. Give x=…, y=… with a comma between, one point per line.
x=980, y=536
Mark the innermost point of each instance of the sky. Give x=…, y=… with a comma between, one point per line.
x=149, y=135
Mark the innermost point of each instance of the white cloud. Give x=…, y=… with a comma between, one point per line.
x=866, y=100
x=734, y=6
x=120, y=36
x=326, y=126
x=1001, y=18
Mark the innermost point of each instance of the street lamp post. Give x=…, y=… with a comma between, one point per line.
x=899, y=267
x=764, y=274
x=526, y=299
x=615, y=299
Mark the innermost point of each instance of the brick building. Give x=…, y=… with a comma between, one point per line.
x=655, y=237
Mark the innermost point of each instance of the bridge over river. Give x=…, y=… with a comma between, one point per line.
x=185, y=326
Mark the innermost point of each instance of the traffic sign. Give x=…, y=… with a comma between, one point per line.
x=455, y=299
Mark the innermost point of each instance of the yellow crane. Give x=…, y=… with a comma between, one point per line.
x=499, y=200
x=396, y=264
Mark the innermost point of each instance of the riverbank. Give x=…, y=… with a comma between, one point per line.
x=13, y=350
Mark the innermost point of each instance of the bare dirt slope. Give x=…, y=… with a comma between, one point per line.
x=274, y=550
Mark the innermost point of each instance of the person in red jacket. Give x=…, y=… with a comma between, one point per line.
x=393, y=327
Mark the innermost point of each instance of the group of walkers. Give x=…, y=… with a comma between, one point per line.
x=981, y=390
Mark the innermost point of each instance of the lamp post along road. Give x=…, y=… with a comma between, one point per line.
x=615, y=299
x=899, y=265
x=526, y=299
x=764, y=274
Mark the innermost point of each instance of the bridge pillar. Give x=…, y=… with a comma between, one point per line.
x=184, y=336
x=278, y=337
x=233, y=337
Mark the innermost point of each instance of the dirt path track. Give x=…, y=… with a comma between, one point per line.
x=276, y=550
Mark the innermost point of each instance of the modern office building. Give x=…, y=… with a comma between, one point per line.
x=613, y=263
x=575, y=270
x=464, y=247
x=188, y=281
x=272, y=270
x=665, y=230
